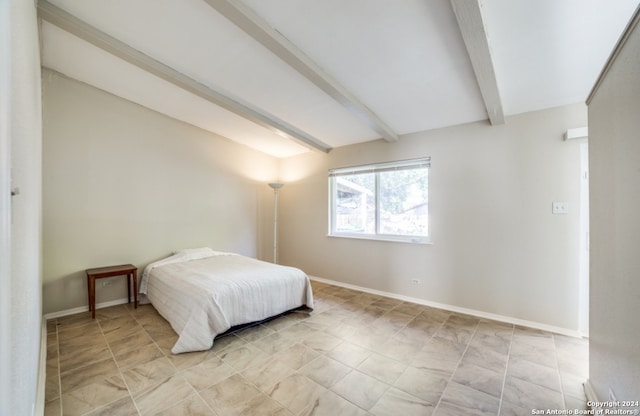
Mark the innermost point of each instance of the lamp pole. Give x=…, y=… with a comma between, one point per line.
x=275, y=186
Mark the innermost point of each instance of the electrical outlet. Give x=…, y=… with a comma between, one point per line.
x=560, y=208
x=107, y=283
x=415, y=281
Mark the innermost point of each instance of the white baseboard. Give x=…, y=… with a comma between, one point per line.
x=85, y=309
x=590, y=392
x=452, y=308
x=42, y=372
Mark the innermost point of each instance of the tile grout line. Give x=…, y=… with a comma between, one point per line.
x=430, y=338
x=555, y=355
x=238, y=371
x=199, y=396
x=135, y=404
x=343, y=312
x=506, y=368
x=352, y=369
x=117, y=366
x=388, y=386
x=163, y=355
x=59, y=370
x=154, y=343
x=73, y=369
x=295, y=371
x=475, y=330
x=322, y=354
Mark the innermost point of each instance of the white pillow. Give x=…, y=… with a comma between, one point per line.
x=195, y=253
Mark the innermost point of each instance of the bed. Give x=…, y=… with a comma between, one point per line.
x=204, y=293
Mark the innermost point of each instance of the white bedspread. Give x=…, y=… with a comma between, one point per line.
x=202, y=297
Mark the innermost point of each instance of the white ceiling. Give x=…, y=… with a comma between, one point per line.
x=393, y=67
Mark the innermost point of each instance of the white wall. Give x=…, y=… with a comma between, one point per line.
x=5, y=211
x=123, y=184
x=20, y=142
x=614, y=163
x=496, y=246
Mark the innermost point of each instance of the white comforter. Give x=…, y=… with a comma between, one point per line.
x=203, y=293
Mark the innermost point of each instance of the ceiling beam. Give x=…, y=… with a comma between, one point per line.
x=469, y=16
x=256, y=27
x=83, y=30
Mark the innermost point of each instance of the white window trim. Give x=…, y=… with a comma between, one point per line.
x=424, y=162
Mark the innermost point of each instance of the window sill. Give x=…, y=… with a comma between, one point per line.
x=393, y=239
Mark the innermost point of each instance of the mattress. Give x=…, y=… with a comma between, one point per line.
x=203, y=293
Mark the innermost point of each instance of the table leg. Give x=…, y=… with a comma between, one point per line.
x=92, y=296
x=129, y=288
x=135, y=289
x=89, y=292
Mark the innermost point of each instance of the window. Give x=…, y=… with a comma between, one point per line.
x=385, y=201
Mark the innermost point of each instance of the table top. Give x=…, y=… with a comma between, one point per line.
x=113, y=270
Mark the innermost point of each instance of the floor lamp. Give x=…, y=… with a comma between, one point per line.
x=275, y=186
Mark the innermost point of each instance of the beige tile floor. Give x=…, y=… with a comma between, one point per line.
x=355, y=354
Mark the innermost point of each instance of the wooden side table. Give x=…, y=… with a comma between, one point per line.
x=128, y=270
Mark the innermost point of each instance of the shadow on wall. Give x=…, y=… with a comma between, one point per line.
x=70, y=291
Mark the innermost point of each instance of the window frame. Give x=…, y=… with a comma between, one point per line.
x=377, y=168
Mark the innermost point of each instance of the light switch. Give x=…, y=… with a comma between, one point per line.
x=560, y=208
